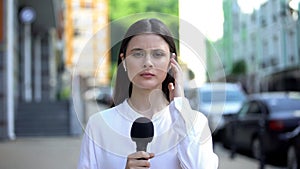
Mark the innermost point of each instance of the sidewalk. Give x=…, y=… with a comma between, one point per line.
x=239, y=162
x=40, y=153
x=44, y=152
x=63, y=153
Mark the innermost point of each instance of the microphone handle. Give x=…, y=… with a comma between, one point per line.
x=141, y=146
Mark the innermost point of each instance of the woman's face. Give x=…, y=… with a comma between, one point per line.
x=147, y=61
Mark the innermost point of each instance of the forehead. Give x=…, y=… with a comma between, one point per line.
x=148, y=41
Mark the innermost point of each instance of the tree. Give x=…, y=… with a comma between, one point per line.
x=239, y=68
x=121, y=8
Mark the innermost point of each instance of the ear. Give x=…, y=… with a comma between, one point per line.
x=123, y=61
x=122, y=56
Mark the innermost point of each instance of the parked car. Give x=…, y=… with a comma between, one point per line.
x=216, y=100
x=102, y=95
x=293, y=151
x=260, y=122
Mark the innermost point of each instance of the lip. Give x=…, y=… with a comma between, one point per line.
x=147, y=74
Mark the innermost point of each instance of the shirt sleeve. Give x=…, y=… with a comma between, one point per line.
x=87, y=159
x=195, y=149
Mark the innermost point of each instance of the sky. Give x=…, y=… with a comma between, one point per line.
x=294, y=4
x=213, y=26
x=247, y=6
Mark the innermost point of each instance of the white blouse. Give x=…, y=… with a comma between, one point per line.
x=182, y=139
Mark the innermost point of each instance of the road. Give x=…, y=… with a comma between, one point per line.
x=238, y=162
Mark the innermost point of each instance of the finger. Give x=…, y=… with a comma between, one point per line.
x=140, y=154
x=171, y=86
x=151, y=155
x=173, y=64
x=176, y=64
x=139, y=159
x=142, y=163
x=135, y=163
x=176, y=70
x=171, y=91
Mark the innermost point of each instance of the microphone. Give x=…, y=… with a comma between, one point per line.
x=142, y=131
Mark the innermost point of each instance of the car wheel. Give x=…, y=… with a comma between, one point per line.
x=227, y=139
x=292, y=159
x=256, y=148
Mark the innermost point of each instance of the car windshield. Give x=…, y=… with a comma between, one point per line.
x=219, y=96
x=281, y=105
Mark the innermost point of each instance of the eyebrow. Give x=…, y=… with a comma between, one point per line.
x=140, y=49
x=136, y=49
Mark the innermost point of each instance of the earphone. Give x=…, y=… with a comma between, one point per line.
x=124, y=65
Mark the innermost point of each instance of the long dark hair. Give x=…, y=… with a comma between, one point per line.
x=123, y=86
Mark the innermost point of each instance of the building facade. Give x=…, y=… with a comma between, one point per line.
x=87, y=39
x=31, y=68
x=267, y=40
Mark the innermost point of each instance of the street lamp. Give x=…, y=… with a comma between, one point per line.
x=27, y=16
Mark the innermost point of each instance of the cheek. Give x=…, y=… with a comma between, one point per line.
x=163, y=70
x=163, y=66
x=133, y=70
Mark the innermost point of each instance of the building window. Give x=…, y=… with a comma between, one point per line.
x=253, y=17
x=274, y=61
x=263, y=64
x=263, y=23
x=252, y=58
x=292, y=59
x=274, y=18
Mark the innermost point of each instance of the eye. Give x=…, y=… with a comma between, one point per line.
x=158, y=54
x=138, y=54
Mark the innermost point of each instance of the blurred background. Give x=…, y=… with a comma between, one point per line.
x=58, y=61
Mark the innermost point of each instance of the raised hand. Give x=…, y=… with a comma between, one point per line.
x=176, y=90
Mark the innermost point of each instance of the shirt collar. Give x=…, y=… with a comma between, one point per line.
x=128, y=113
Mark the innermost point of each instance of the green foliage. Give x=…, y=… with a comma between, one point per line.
x=64, y=93
x=239, y=67
x=191, y=74
x=133, y=10
x=121, y=8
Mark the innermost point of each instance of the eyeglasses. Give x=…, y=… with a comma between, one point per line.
x=156, y=53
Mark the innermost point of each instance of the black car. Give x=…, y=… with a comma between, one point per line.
x=293, y=152
x=260, y=122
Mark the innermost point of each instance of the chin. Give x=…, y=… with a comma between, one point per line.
x=148, y=86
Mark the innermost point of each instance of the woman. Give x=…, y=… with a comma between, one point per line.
x=148, y=84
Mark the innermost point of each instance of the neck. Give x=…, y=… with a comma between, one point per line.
x=147, y=102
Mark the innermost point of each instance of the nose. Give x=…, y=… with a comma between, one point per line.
x=148, y=62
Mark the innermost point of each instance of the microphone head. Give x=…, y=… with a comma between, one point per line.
x=142, y=130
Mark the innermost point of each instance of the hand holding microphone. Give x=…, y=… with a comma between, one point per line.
x=142, y=132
